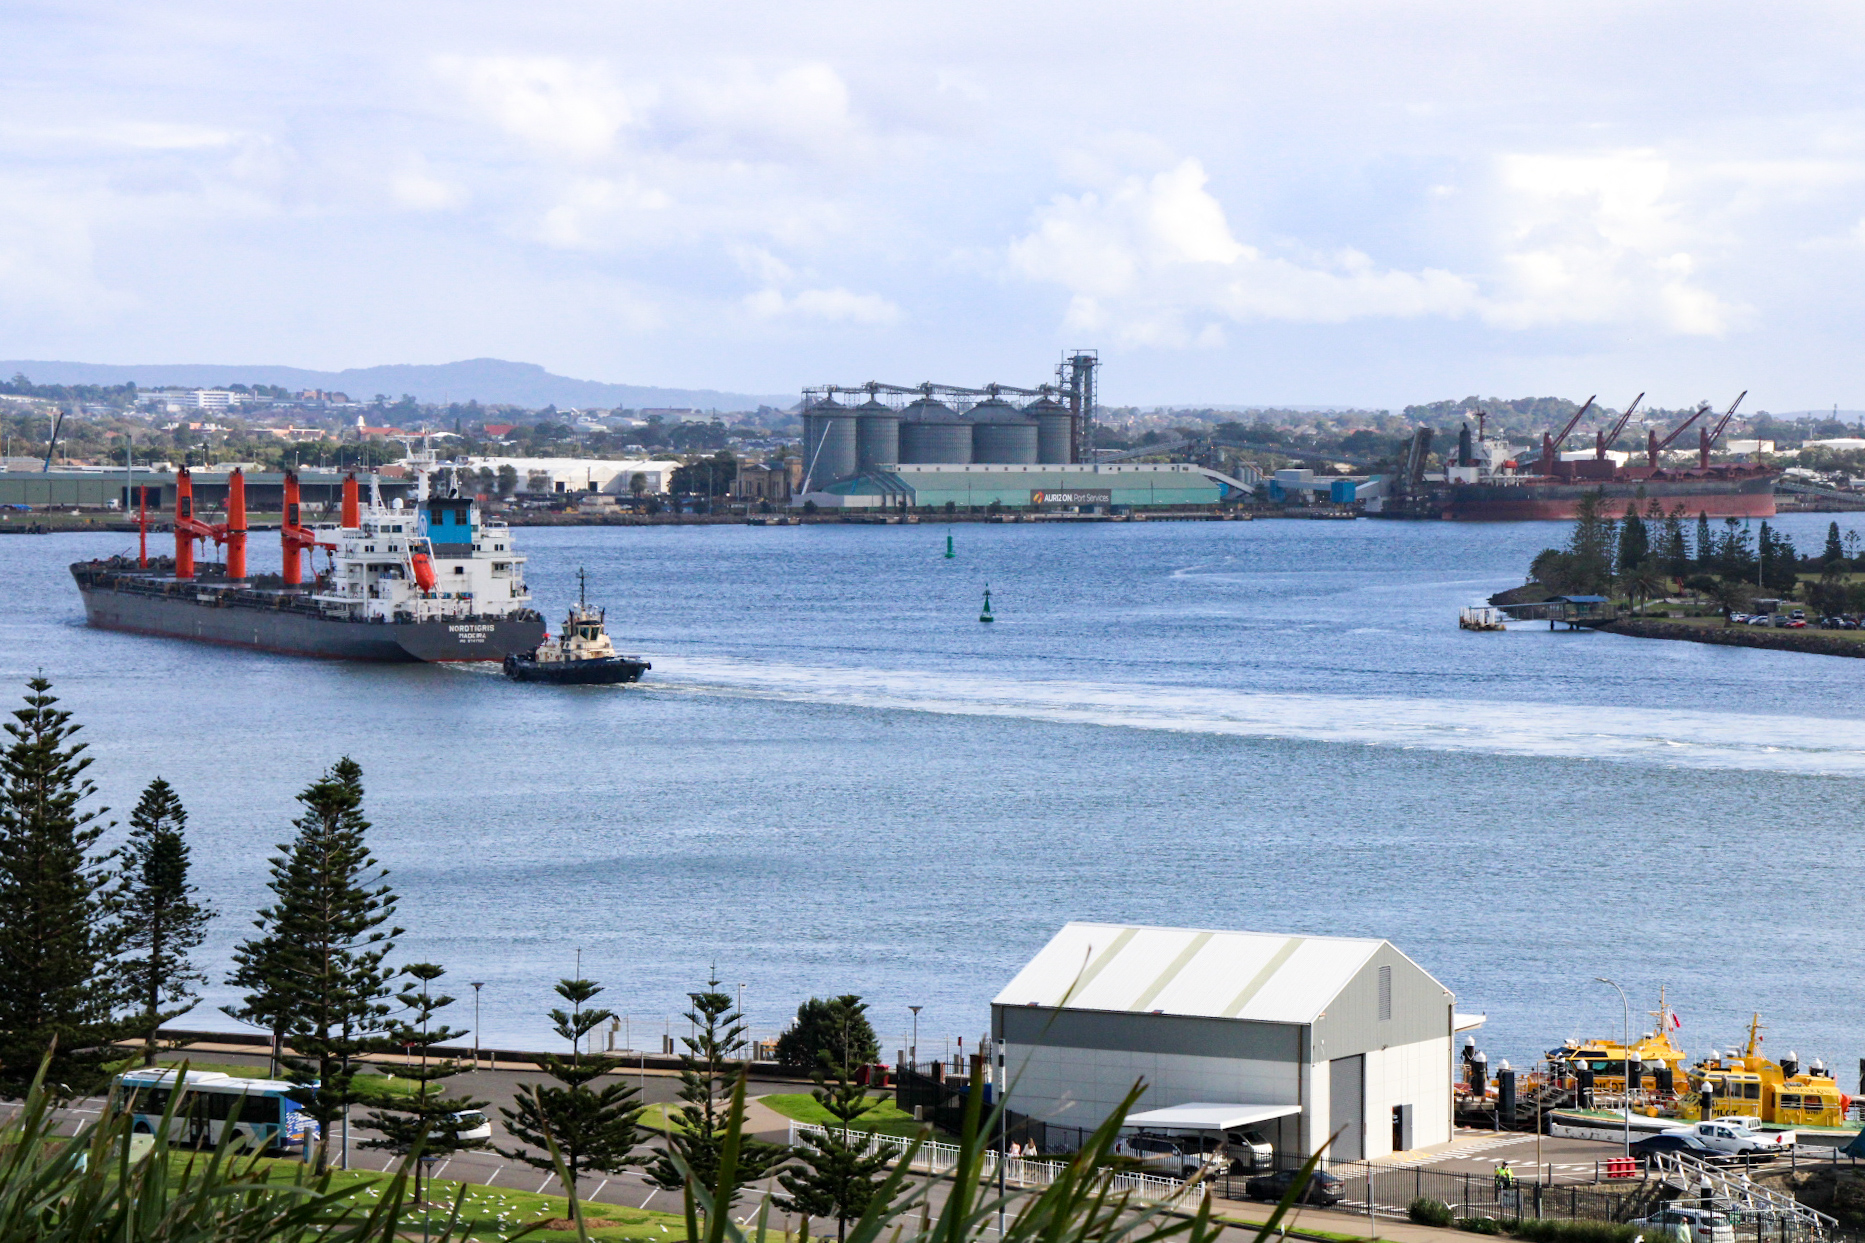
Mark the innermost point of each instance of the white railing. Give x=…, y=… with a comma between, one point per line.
x=936, y=1159
x=1740, y=1195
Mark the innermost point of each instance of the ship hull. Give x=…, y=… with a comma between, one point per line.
x=1739, y=497
x=211, y=616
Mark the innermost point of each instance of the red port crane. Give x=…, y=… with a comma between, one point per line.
x=1603, y=440
x=1551, y=445
x=1708, y=435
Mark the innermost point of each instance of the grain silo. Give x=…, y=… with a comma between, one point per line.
x=828, y=443
x=877, y=435
x=1001, y=434
x=1055, y=431
x=933, y=432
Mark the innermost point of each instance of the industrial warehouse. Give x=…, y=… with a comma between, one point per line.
x=1295, y=1038
x=937, y=445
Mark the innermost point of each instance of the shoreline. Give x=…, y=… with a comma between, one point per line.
x=1810, y=642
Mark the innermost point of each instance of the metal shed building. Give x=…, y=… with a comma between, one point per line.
x=1312, y=1035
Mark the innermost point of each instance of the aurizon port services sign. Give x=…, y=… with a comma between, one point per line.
x=1080, y=496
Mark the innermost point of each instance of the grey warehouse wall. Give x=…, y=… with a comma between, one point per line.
x=1421, y=1009
x=1148, y=1033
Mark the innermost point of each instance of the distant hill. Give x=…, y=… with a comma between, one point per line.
x=486, y=380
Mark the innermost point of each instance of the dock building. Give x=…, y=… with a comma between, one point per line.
x=1296, y=1037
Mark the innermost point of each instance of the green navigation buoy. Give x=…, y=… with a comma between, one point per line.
x=986, y=615
x=948, y=545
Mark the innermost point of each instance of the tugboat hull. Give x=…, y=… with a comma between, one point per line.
x=603, y=671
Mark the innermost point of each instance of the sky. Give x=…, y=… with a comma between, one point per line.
x=1246, y=203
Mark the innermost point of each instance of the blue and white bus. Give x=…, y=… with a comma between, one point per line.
x=271, y=1112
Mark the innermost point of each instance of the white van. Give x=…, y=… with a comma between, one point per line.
x=1690, y=1225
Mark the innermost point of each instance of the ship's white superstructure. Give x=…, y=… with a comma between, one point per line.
x=441, y=560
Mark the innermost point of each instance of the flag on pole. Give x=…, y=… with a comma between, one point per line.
x=1675, y=1022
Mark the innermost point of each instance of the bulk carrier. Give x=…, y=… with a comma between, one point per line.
x=435, y=582
x=1484, y=483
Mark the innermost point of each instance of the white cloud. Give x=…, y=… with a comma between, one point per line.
x=419, y=190
x=753, y=113
x=1154, y=261
x=1600, y=238
x=597, y=212
x=48, y=266
x=553, y=103
x=836, y=306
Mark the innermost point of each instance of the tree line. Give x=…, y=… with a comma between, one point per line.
x=1648, y=554
x=96, y=954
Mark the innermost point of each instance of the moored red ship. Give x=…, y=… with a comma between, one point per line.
x=1480, y=486
x=436, y=582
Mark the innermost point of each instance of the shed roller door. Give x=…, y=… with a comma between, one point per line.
x=1347, y=1108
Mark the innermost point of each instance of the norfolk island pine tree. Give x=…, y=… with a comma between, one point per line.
x=586, y=1128
x=162, y=920
x=424, y=1118
x=697, y=1135
x=316, y=967
x=60, y=988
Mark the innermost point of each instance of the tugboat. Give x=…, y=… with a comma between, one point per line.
x=582, y=654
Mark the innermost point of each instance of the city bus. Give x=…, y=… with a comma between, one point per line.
x=271, y=1112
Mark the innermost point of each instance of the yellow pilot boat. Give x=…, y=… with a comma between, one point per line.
x=1780, y=1093
x=1651, y=1054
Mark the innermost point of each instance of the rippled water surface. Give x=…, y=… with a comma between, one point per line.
x=836, y=779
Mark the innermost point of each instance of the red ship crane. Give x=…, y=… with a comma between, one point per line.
x=1603, y=440
x=1551, y=445
x=1654, y=447
x=1709, y=435
x=188, y=528
x=233, y=531
x=294, y=537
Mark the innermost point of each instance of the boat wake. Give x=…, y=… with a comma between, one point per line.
x=1672, y=738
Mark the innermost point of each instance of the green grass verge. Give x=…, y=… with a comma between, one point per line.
x=886, y=1118
x=492, y=1213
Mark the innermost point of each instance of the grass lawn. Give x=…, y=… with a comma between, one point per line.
x=492, y=1213
x=887, y=1118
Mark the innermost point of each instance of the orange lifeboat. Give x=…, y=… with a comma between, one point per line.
x=424, y=576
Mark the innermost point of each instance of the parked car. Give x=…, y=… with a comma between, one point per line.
x=1760, y=619
x=1322, y=1188
x=1249, y=1151
x=1733, y=1137
x=1174, y=1158
x=1690, y=1225
x=471, y=1127
x=1651, y=1145
x=1797, y=623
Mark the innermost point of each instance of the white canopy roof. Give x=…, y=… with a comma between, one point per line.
x=1205, y=1116
x=1256, y=976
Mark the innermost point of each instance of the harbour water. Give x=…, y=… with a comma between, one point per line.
x=836, y=780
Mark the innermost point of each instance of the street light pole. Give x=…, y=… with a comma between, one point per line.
x=1625, y=1047
x=477, y=985
x=913, y=1050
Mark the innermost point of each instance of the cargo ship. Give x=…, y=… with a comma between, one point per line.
x=1485, y=483
x=437, y=581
